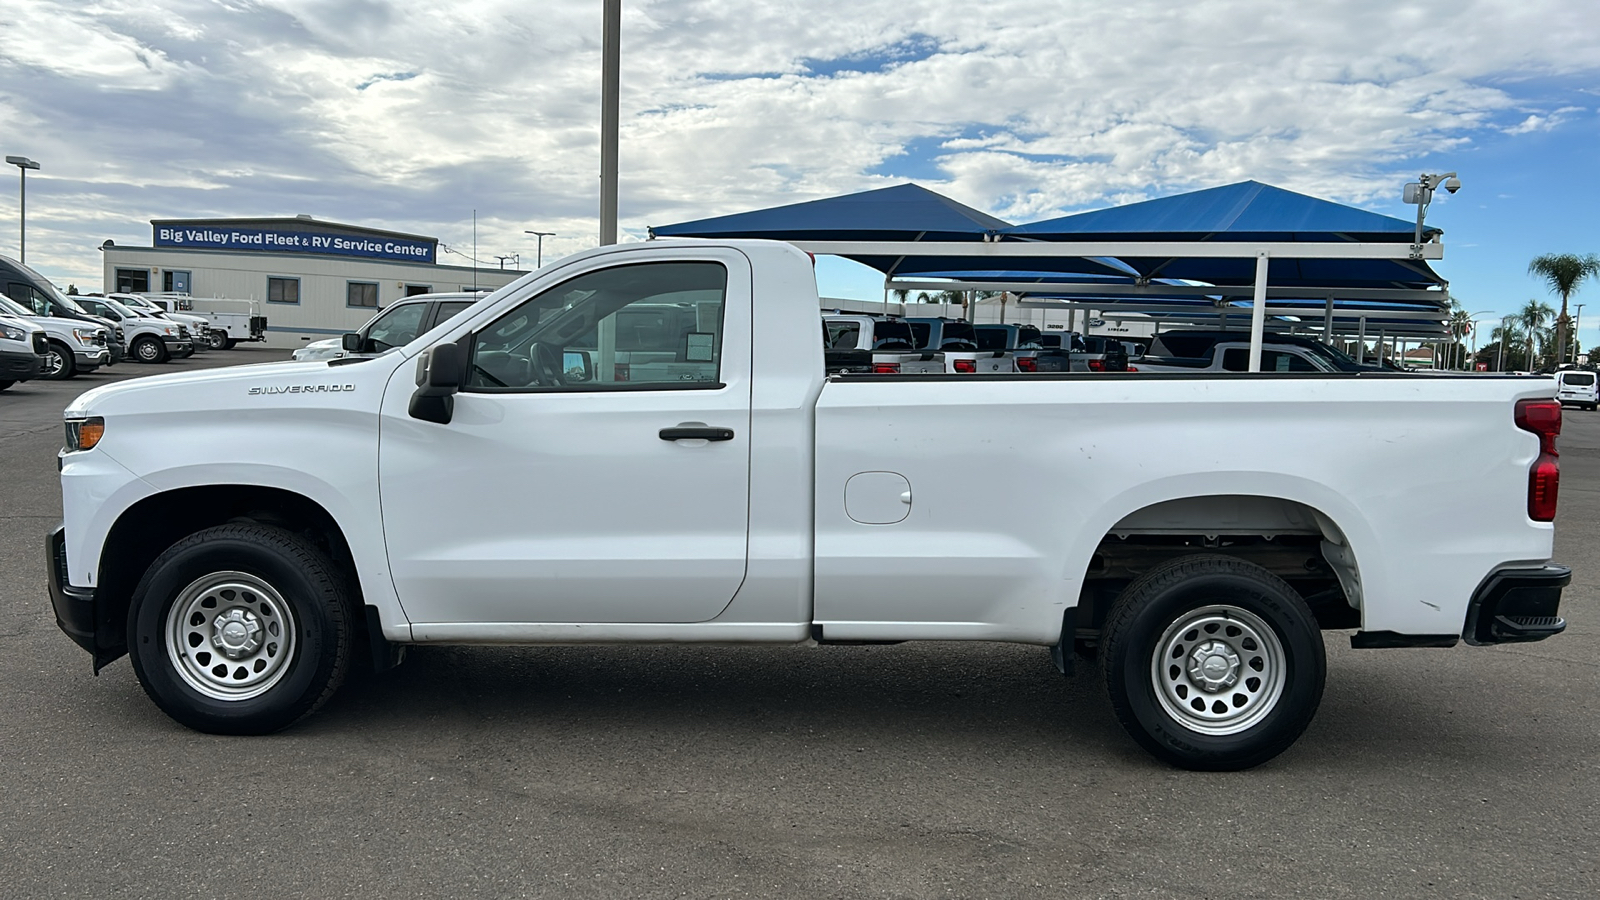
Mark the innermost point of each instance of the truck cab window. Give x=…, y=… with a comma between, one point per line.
x=397, y=327
x=625, y=327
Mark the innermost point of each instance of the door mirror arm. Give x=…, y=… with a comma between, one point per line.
x=438, y=380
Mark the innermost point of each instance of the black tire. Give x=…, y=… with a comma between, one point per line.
x=6, y=384
x=230, y=344
x=185, y=354
x=218, y=340
x=59, y=364
x=147, y=349
x=285, y=586
x=1248, y=625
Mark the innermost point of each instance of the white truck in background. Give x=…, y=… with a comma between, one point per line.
x=876, y=345
x=247, y=534
x=228, y=322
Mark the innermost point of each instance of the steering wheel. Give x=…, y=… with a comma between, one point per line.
x=546, y=365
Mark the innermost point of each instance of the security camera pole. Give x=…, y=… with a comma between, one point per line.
x=23, y=164
x=1420, y=192
x=610, y=77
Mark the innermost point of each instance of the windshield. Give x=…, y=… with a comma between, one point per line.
x=126, y=311
x=12, y=308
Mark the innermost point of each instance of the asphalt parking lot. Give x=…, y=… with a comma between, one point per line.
x=931, y=770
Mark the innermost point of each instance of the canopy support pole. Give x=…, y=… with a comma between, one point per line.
x=1258, y=312
x=1361, y=340
x=1327, y=320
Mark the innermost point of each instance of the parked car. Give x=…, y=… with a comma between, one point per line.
x=1022, y=342
x=397, y=325
x=1229, y=351
x=247, y=534
x=199, y=327
x=43, y=299
x=877, y=345
x=150, y=339
x=1577, y=388
x=72, y=346
x=23, y=345
x=958, y=341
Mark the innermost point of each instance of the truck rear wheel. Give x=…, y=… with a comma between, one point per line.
x=1213, y=663
x=240, y=629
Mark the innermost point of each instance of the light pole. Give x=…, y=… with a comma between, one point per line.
x=610, y=90
x=23, y=164
x=539, y=259
x=514, y=257
x=1577, y=323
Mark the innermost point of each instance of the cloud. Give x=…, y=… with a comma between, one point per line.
x=409, y=115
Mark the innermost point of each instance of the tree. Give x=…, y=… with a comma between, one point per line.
x=72, y=290
x=1460, y=325
x=1507, y=343
x=1532, y=317
x=1562, y=272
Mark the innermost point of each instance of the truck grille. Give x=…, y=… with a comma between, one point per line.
x=41, y=344
x=183, y=332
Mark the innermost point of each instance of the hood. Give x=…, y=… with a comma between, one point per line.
x=236, y=387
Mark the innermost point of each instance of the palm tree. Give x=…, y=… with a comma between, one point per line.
x=1532, y=317
x=1508, y=338
x=1562, y=272
x=1460, y=325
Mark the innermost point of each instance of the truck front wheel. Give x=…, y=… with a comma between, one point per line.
x=149, y=350
x=217, y=340
x=1213, y=663
x=240, y=629
x=58, y=362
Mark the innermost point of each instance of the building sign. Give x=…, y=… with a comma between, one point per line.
x=273, y=239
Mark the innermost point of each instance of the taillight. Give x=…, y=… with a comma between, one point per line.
x=1543, y=418
x=1130, y=369
x=621, y=372
x=886, y=368
x=966, y=365
x=1097, y=365
x=1027, y=364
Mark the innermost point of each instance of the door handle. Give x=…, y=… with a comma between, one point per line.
x=696, y=432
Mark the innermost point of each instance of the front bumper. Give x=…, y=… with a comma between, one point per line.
x=1517, y=606
x=117, y=351
x=177, y=345
x=74, y=606
x=19, y=365
x=92, y=359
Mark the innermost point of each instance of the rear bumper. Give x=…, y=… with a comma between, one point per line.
x=1517, y=606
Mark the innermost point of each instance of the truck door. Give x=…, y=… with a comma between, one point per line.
x=596, y=465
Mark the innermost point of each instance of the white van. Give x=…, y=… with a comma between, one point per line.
x=1577, y=388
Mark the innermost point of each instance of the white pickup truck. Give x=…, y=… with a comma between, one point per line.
x=247, y=534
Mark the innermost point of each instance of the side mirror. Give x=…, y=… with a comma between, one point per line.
x=438, y=380
x=352, y=342
x=577, y=366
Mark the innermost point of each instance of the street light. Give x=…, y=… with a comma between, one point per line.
x=1575, y=339
x=1420, y=194
x=23, y=164
x=539, y=260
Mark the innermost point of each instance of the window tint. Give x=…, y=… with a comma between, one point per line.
x=1577, y=378
x=1029, y=338
x=991, y=338
x=624, y=327
x=1236, y=360
x=843, y=334
x=449, y=309
x=893, y=336
x=958, y=336
x=397, y=327
x=921, y=330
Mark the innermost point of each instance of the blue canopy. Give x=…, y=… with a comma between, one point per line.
x=1248, y=212
x=905, y=212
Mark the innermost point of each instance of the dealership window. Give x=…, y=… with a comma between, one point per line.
x=362, y=293
x=413, y=290
x=133, y=281
x=283, y=290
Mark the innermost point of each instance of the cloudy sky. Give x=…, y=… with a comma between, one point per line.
x=410, y=115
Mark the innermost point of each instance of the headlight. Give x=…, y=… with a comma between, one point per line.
x=85, y=335
x=167, y=330
x=83, y=434
x=12, y=334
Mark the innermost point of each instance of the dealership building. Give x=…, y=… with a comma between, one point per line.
x=310, y=278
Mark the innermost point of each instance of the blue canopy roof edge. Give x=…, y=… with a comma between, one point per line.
x=1245, y=211
x=904, y=212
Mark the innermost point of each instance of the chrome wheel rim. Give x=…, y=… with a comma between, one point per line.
x=53, y=363
x=1219, y=669
x=230, y=635
x=147, y=351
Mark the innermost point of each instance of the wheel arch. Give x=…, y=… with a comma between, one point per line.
x=152, y=524
x=1260, y=517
